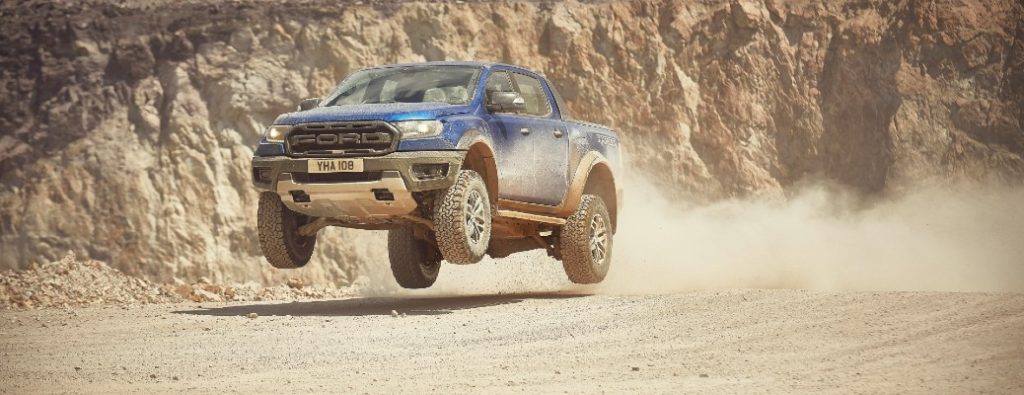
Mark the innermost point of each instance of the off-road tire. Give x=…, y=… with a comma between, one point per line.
x=278, y=229
x=450, y=220
x=579, y=263
x=414, y=262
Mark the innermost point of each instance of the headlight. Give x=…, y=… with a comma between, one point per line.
x=419, y=129
x=276, y=133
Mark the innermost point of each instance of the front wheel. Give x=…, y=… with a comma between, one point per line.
x=278, y=231
x=586, y=242
x=414, y=262
x=462, y=219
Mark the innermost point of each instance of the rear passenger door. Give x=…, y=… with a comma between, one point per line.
x=540, y=153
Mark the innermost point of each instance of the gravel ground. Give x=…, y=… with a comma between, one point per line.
x=71, y=282
x=745, y=341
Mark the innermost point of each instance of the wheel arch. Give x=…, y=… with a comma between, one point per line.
x=601, y=182
x=480, y=158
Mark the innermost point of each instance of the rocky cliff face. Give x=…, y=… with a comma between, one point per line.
x=127, y=127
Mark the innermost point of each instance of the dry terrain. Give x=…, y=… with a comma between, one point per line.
x=135, y=120
x=821, y=197
x=736, y=341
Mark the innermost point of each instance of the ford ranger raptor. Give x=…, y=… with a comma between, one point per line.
x=456, y=160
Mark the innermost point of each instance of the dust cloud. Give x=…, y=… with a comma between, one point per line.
x=938, y=238
x=948, y=238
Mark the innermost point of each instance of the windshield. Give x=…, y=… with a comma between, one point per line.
x=411, y=84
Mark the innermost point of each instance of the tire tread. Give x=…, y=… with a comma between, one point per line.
x=575, y=242
x=278, y=233
x=408, y=256
x=449, y=224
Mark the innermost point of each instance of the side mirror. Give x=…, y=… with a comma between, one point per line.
x=309, y=104
x=505, y=102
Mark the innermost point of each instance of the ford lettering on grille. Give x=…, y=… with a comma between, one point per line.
x=342, y=139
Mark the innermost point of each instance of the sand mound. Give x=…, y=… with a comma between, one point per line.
x=71, y=282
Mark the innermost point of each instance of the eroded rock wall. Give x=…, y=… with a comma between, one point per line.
x=127, y=129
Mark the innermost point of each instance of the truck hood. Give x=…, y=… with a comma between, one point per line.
x=391, y=112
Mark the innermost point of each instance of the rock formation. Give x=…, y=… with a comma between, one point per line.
x=127, y=127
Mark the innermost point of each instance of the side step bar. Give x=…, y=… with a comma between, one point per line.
x=531, y=217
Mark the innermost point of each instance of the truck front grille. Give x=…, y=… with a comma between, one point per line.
x=341, y=139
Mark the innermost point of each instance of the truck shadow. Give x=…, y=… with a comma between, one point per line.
x=376, y=305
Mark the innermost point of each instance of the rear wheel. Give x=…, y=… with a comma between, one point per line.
x=586, y=242
x=462, y=219
x=414, y=262
x=278, y=231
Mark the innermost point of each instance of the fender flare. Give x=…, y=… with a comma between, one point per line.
x=480, y=157
x=582, y=177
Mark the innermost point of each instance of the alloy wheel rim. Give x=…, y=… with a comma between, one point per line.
x=476, y=216
x=598, y=239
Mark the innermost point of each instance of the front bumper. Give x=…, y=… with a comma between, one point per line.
x=383, y=190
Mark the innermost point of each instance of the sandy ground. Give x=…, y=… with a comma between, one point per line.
x=746, y=341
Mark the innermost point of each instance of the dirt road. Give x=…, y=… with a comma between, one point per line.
x=746, y=341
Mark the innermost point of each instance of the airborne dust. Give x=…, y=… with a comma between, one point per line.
x=941, y=238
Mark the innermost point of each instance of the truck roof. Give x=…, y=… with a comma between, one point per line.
x=455, y=63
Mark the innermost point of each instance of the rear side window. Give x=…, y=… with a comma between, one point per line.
x=533, y=92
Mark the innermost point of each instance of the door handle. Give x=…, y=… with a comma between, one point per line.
x=558, y=134
x=524, y=131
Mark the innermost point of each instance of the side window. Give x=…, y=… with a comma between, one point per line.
x=533, y=92
x=498, y=82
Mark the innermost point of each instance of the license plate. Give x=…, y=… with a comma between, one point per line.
x=334, y=165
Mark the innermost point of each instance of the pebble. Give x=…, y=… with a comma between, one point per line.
x=394, y=313
x=636, y=368
x=252, y=315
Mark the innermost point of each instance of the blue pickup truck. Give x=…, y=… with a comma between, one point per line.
x=456, y=160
